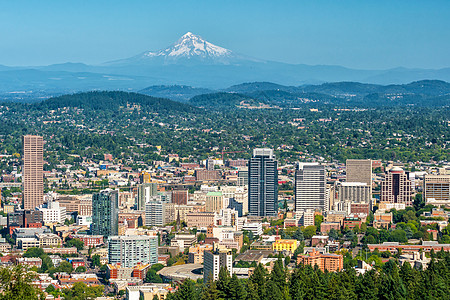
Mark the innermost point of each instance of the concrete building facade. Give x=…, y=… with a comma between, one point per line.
x=33, y=171
x=310, y=187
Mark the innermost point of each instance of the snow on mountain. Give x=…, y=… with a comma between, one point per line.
x=190, y=45
x=188, y=50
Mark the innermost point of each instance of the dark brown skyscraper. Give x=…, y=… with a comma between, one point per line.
x=33, y=173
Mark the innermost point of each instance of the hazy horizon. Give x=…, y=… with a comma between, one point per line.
x=382, y=35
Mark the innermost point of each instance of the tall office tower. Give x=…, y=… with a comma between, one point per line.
x=131, y=250
x=310, y=187
x=154, y=213
x=145, y=192
x=210, y=164
x=180, y=196
x=436, y=189
x=105, y=213
x=214, y=261
x=359, y=170
x=33, y=171
x=396, y=188
x=263, y=183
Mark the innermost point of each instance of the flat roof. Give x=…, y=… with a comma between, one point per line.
x=182, y=272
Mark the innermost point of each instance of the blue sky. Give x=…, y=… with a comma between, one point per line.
x=358, y=34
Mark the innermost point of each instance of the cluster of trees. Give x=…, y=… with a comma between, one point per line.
x=47, y=264
x=77, y=243
x=15, y=283
x=79, y=291
x=152, y=275
x=402, y=133
x=407, y=226
x=389, y=281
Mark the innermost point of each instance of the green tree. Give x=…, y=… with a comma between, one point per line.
x=210, y=291
x=298, y=235
x=80, y=269
x=80, y=291
x=16, y=283
x=65, y=266
x=236, y=290
x=34, y=252
x=151, y=276
x=318, y=219
x=333, y=234
x=309, y=231
x=223, y=283
x=75, y=243
x=96, y=260
x=187, y=291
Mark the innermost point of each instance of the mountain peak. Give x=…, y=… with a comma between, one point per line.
x=188, y=34
x=189, y=46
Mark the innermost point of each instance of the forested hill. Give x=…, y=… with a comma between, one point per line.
x=419, y=93
x=113, y=101
x=423, y=87
x=180, y=93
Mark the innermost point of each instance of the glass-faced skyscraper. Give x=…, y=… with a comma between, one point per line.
x=105, y=213
x=263, y=183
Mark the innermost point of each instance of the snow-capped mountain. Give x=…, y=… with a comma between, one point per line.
x=191, y=45
x=190, y=48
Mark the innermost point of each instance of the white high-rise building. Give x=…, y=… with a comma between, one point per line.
x=52, y=212
x=214, y=261
x=310, y=187
x=154, y=213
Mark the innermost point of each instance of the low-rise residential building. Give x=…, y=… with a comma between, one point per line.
x=196, y=253
x=329, y=262
x=393, y=247
x=352, y=222
x=89, y=240
x=325, y=227
x=160, y=290
x=200, y=219
x=319, y=239
x=382, y=219
x=183, y=241
x=255, y=228
x=116, y=271
x=26, y=243
x=285, y=245
x=48, y=240
x=63, y=251
x=29, y=261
